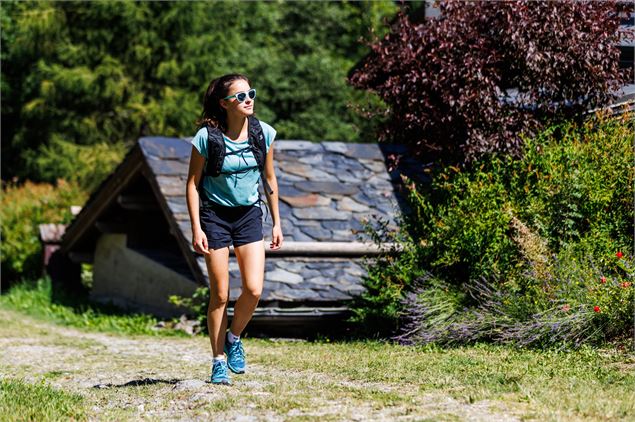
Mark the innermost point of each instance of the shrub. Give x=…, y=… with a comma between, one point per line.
x=84, y=165
x=508, y=241
x=376, y=311
x=579, y=305
x=446, y=80
x=22, y=209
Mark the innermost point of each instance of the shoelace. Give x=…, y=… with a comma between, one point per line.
x=222, y=371
x=237, y=345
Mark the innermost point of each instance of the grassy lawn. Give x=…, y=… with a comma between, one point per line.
x=587, y=383
x=38, y=402
x=54, y=368
x=36, y=299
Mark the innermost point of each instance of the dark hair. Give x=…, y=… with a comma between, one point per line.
x=213, y=114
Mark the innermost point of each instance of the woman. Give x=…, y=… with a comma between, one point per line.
x=225, y=209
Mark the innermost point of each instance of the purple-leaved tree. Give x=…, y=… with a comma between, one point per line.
x=470, y=82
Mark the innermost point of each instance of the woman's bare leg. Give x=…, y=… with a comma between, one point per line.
x=251, y=261
x=218, y=269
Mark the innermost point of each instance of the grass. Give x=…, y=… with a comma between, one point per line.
x=38, y=402
x=577, y=384
x=296, y=380
x=37, y=299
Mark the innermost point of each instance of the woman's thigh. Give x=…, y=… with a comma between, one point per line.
x=251, y=261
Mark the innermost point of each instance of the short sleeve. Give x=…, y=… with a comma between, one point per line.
x=200, y=142
x=270, y=134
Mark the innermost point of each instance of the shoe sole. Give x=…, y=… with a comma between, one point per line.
x=234, y=370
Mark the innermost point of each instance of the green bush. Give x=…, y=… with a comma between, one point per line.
x=84, y=165
x=376, y=310
x=22, y=209
x=515, y=241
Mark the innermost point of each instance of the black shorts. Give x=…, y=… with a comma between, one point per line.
x=226, y=225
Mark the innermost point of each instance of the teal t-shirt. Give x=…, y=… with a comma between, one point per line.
x=233, y=190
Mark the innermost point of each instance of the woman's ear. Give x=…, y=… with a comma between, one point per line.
x=223, y=104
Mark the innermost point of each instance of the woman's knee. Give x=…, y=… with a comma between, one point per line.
x=253, y=292
x=219, y=297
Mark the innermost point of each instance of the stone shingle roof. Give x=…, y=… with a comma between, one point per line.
x=327, y=190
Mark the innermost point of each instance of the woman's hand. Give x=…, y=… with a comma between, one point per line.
x=276, y=238
x=200, y=242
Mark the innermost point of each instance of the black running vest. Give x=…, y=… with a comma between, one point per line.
x=216, y=150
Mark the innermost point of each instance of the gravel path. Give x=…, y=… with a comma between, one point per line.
x=164, y=378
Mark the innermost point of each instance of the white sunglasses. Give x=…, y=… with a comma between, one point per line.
x=242, y=96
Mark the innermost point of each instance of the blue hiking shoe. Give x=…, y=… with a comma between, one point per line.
x=219, y=373
x=235, y=356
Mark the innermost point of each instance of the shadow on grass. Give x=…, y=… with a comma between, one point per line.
x=139, y=383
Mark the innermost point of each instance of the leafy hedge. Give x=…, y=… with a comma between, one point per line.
x=503, y=242
x=22, y=209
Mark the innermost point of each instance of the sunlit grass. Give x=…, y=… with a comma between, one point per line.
x=21, y=401
x=331, y=380
x=578, y=384
x=36, y=299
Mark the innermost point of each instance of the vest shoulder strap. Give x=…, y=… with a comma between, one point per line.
x=259, y=147
x=215, y=152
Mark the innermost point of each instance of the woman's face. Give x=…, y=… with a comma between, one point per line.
x=232, y=105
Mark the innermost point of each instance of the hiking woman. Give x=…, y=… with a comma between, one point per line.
x=231, y=152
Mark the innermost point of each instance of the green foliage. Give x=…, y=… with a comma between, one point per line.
x=576, y=183
x=24, y=401
x=37, y=299
x=78, y=75
x=377, y=309
x=83, y=165
x=196, y=305
x=23, y=208
x=517, y=239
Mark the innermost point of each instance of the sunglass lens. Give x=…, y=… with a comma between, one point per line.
x=252, y=93
x=241, y=97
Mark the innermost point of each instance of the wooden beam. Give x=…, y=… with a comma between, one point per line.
x=137, y=202
x=81, y=257
x=110, y=227
x=332, y=249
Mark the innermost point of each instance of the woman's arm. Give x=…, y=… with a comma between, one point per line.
x=199, y=239
x=276, y=231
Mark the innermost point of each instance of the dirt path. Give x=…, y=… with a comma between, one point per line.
x=131, y=378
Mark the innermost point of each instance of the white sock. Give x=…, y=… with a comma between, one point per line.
x=217, y=358
x=231, y=338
